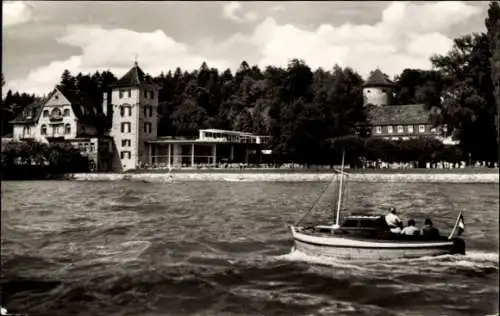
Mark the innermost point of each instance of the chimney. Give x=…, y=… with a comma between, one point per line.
x=105, y=103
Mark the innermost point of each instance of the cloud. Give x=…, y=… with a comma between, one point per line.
x=16, y=12
x=229, y=12
x=115, y=50
x=406, y=36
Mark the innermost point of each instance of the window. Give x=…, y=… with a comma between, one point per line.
x=121, y=94
x=433, y=130
x=389, y=129
x=56, y=97
x=146, y=94
x=123, y=108
x=147, y=127
x=45, y=113
x=129, y=93
x=378, y=130
x=421, y=128
x=92, y=147
x=67, y=129
x=125, y=154
x=406, y=138
x=410, y=128
x=56, y=113
x=125, y=127
x=400, y=128
x=26, y=130
x=148, y=111
x=66, y=112
x=152, y=94
x=126, y=143
x=43, y=130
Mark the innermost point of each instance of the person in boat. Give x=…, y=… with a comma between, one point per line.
x=429, y=231
x=393, y=221
x=410, y=229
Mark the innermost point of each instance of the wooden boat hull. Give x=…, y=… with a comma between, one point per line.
x=348, y=248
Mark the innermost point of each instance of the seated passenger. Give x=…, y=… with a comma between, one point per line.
x=428, y=230
x=410, y=230
x=393, y=221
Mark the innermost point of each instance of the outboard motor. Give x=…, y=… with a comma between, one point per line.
x=458, y=246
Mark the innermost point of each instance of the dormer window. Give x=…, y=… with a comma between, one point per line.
x=66, y=112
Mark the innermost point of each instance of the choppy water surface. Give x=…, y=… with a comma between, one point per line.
x=130, y=248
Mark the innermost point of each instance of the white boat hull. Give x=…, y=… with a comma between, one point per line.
x=341, y=247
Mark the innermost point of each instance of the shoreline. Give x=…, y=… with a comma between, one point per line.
x=448, y=177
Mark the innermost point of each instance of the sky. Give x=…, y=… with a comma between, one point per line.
x=43, y=38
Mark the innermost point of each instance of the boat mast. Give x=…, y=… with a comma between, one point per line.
x=340, y=190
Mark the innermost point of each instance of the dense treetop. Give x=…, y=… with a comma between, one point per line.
x=305, y=110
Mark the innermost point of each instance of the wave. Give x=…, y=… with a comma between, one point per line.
x=472, y=260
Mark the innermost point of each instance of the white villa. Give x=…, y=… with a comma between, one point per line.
x=132, y=141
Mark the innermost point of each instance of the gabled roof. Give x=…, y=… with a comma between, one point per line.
x=399, y=115
x=134, y=77
x=30, y=114
x=378, y=79
x=84, y=114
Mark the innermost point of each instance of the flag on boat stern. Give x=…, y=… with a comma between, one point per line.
x=461, y=224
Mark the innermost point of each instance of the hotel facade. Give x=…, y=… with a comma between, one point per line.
x=132, y=141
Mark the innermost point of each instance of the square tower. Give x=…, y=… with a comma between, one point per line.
x=134, y=102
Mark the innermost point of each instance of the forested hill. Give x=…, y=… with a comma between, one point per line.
x=302, y=108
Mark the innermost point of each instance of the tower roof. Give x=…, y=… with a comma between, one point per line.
x=134, y=77
x=378, y=79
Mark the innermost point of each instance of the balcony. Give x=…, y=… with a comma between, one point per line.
x=55, y=118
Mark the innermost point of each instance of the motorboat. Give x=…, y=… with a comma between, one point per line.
x=367, y=236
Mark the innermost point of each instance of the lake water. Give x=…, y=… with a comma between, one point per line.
x=221, y=248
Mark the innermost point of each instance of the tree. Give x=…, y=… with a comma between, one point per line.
x=468, y=107
x=188, y=118
x=419, y=86
x=244, y=122
x=341, y=100
x=301, y=132
x=493, y=32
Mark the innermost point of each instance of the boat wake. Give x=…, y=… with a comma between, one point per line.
x=473, y=260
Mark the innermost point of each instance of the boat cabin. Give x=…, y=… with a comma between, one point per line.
x=358, y=225
x=366, y=226
x=365, y=222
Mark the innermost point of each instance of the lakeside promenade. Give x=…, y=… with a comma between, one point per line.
x=276, y=175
